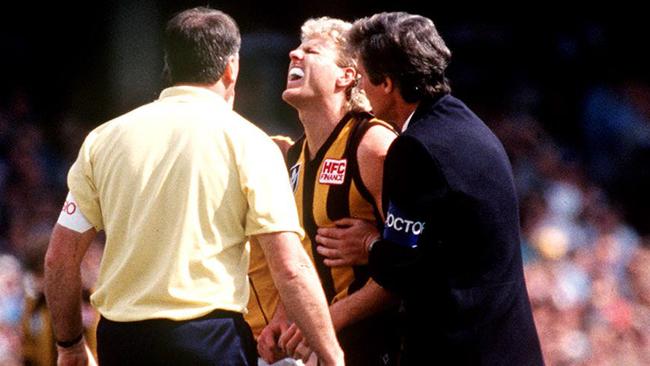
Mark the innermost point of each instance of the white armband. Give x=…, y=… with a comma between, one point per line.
x=71, y=216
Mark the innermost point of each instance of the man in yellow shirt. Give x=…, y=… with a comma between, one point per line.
x=179, y=186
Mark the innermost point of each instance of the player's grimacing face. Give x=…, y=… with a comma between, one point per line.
x=313, y=69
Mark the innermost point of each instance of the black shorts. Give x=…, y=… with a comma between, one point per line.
x=374, y=341
x=219, y=338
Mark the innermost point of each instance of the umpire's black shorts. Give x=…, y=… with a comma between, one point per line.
x=219, y=338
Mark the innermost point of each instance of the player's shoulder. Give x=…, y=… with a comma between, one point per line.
x=382, y=125
x=365, y=120
x=376, y=137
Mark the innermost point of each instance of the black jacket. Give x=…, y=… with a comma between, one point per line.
x=451, y=245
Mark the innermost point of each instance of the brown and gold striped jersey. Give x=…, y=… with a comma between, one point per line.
x=326, y=187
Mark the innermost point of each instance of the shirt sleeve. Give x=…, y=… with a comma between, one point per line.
x=412, y=184
x=82, y=187
x=265, y=183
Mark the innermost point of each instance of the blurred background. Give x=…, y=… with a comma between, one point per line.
x=566, y=90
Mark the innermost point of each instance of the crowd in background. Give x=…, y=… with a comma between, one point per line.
x=587, y=269
x=585, y=216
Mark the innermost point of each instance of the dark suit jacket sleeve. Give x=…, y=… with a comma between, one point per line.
x=413, y=181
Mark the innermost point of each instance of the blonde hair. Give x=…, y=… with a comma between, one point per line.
x=335, y=31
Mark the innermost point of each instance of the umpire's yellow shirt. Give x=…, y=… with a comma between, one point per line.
x=179, y=185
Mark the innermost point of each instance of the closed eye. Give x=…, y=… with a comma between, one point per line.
x=311, y=50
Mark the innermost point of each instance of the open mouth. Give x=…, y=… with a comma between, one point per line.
x=296, y=73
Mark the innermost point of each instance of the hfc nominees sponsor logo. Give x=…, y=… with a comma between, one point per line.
x=333, y=171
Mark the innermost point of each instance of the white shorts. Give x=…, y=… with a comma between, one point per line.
x=284, y=362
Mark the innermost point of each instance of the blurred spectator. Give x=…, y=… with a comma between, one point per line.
x=38, y=337
x=585, y=266
x=32, y=183
x=11, y=306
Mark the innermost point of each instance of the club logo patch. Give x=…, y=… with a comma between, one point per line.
x=333, y=171
x=294, y=174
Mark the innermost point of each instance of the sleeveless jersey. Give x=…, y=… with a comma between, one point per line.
x=326, y=188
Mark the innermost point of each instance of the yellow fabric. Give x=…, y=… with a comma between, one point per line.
x=179, y=185
x=359, y=207
x=264, y=296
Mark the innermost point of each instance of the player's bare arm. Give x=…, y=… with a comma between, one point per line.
x=347, y=244
x=370, y=157
x=301, y=293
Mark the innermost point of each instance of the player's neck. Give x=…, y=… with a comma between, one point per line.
x=319, y=122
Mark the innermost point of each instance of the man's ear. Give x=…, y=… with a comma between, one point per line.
x=347, y=78
x=231, y=72
x=388, y=85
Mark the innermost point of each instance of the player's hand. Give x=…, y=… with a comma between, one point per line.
x=290, y=340
x=77, y=355
x=303, y=352
x=267, y=343
x=313, y=360
x=347, y=243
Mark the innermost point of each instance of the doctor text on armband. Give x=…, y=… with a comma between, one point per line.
x=402, y=228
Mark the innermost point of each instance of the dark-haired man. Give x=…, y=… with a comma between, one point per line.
x=450, y=245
